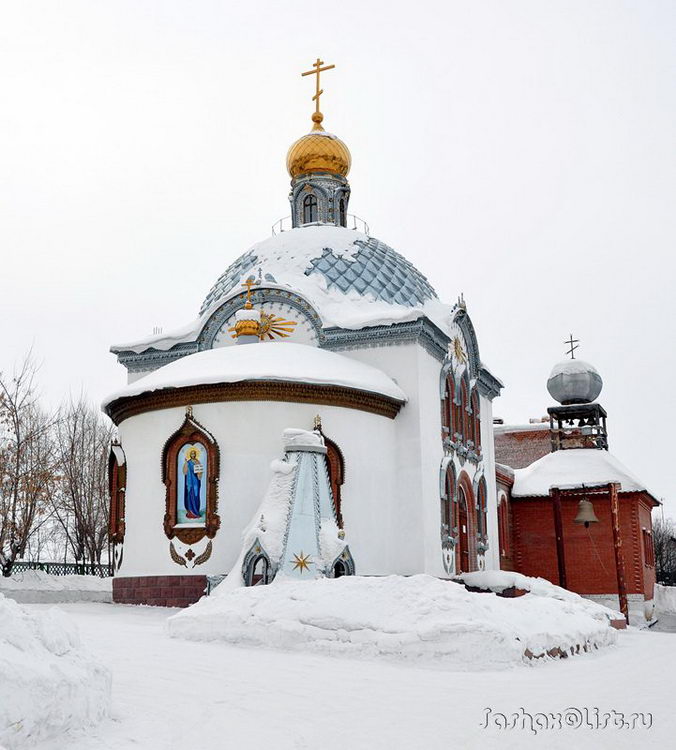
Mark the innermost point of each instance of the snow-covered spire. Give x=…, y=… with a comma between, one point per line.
x=294, y=532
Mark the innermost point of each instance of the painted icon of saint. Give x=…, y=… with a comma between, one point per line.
x=192, y=484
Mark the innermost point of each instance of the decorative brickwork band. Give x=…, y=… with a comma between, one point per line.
x=159, y=591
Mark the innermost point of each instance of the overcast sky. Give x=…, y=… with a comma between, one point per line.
x=519, y=152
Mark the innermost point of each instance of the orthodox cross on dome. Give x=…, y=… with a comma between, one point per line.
x=571, y=342
x=318, y=67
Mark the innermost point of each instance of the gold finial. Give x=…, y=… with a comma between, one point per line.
x=317, y=116
x=188, y=412
x=248, y=284
x=318, y=423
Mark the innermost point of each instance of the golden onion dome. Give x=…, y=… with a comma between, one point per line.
x=318, y=151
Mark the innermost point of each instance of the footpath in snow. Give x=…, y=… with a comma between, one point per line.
x=418, y=618
x=176, y=695
x=48, y=682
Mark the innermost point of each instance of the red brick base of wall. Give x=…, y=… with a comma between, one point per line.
x=159, y=591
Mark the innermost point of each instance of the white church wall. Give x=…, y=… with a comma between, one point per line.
x=431, y=455
x=418, y=454
x=249, y=438
x=492, y=557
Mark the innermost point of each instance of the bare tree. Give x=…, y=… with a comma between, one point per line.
x=82, y=502
x=664, y=540
x=27, y=473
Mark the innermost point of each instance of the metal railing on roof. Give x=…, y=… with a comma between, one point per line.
x=352, y=222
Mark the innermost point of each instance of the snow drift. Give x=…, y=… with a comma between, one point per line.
x=665, y=599
x=417, y=618
x=48, y=682
x=498, y=581
x=35, y=586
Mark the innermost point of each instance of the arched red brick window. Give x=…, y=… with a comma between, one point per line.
x=482, y=510
x=464, y=415
x=447, y=410
x=476, y=420
x=503, y=528
x=117, y=485
x=447, y=505
x=336, y=465
x=465, y=555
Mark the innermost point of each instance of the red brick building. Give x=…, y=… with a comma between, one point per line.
x=544, y=471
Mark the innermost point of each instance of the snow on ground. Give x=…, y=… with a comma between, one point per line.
x=415, y=618
x=665, y=600
x=33, y=586
x=171, y=695
x=48, y=682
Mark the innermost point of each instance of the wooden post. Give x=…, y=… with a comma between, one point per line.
x=619, y=554
x=555, y=494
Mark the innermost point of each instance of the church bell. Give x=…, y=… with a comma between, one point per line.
x=585, y=513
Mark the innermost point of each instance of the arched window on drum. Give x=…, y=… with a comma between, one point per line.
x=309, y=209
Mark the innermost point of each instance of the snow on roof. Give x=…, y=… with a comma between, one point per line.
x=326, y=258
x=507, y=428
x=572, y=367
x=352, y=280
x=264, y=361
x=164, y=341
x=573, y=468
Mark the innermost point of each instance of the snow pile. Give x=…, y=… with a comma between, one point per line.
x=573, y=467
x=48, y=682
x=665, y=599
x=500, y=580
x=32, y=586
x=418, y=618
x=272, y=361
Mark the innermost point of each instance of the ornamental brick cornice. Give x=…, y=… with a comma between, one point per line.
x=253, y=390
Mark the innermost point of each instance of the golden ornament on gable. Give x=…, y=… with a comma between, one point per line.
x=458, y=351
